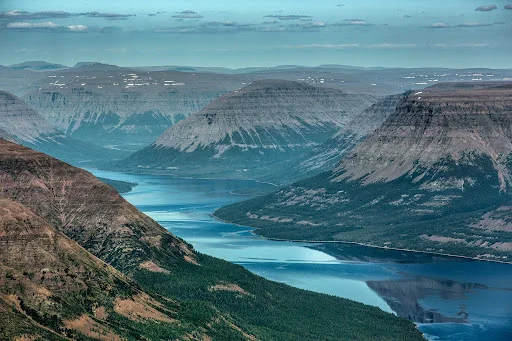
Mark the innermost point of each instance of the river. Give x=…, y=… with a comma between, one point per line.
x=449, y=298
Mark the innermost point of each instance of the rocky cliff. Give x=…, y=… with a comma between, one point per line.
x=434, y=177
x=247, y=132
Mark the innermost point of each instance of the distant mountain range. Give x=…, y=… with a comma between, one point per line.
x=436, y=176
x=108, y=105
x=79, y=262
x=24, y=125
x=248, y=133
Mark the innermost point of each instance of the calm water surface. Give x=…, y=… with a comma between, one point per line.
x=450, y=299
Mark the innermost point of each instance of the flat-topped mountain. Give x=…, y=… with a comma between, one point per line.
x=459, y=122
x=38, y=66
x=110, y=105
x=246, y=132
x=58, y=221
x=434, y=177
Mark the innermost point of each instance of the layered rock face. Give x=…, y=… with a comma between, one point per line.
x=327, y=155
x=434, y=177
x=22, y=124
x=456, y=121
x=84, y=208
x=245, y=130
x=25, y=123
x=106, y=104
x=51, y=287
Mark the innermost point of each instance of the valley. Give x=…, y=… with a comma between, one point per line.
x=449, y=298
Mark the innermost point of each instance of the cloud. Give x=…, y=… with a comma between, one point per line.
x=288, y=17
x=391, y=46
x=486, y=8
x=388, y=46
x=438, y=25
x=156, y=13
x=210, y=27
x=508, y=6
x=353, y=22
x=326, y=46
x=187, y=15
x=311, y=24
x=108, y=16
x=26, y=25
x=48, y=25
x=23, y=15
x=77, y=28
x=464, y=25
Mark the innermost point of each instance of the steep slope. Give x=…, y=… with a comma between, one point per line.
x=327, y=155
x=247, y=132
x=180, y=294
x=106, y=105
x=51, y=288
x=24, y=125
x=435, y=177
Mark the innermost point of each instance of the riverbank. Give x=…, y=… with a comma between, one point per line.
x=255, y=229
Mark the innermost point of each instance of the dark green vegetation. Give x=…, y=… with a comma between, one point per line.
x=56, y=218
x=269, y=310
x=394, y=214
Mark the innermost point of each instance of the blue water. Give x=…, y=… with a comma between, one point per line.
x=476, y=295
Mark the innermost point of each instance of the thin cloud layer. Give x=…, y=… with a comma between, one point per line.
x=486, y=8
x=353, y=22
x=288, y=17
x=156, y=13
x=108, y=16
x=48, y=25
x=440, y=25
x=187, y=15
x=24, y=15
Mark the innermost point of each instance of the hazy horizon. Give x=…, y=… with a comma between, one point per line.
x=398, y=33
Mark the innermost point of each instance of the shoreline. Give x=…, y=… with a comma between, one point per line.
x=186, y=177
x=254, y=229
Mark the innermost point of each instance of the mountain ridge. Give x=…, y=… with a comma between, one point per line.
x=434, y=177
x=248, y=132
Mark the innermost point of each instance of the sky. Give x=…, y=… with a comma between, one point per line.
x=235, y=34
